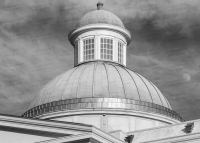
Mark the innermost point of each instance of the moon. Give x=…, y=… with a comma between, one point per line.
x=186, y=77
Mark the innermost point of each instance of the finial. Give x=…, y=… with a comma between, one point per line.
x=99, y=5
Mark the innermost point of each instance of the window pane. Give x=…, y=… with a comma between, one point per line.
x=106, y=48
x=107, y=51
x=88, y=50
x=120, y=52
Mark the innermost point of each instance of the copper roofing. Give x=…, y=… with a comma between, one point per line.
x=100, y=16
x=100, y=80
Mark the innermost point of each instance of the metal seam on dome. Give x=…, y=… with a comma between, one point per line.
x=33, y=102
x=99, y=13
x=167, y=102
x=107, y=79
x=159, y=94
x=55, y=86
x=94, y=71
x=122, y=81
x=146, y=86
x=134, y=82
x=164, y=98
x=40, y=93
x=156, y=91
x=80, y=78
x=67, y=81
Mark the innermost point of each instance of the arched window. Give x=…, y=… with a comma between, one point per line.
x=88, y=49
x=106, y=49
x=120, y=53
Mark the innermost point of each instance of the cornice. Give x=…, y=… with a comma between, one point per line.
x=92, y=137
x=102, y=104
x=44, y=125
x=63, y=130
x=177, y=139
x=92, y=27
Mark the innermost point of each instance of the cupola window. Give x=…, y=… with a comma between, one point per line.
x=88, y=49
x=106, y=49
x=120, y=53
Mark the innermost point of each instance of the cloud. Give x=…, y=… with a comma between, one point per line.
x=34, y=49
x=162, y=14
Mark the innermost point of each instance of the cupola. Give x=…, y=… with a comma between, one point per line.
x=100, y=35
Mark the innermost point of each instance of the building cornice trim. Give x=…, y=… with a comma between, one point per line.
x=76, y=32
x=177, y=139
x=101, y=103
x=55, y=128
x=44, y=125
x=94, y=136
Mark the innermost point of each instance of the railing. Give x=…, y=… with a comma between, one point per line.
x=101, y=103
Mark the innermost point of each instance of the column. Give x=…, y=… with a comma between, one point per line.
x=97, y=47
x=78, y=51
x=124, y=56
x=115, y=50
x=81, y=50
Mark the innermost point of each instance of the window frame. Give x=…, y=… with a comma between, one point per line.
x=88, y=49
x=120, y=52
x=106, y=49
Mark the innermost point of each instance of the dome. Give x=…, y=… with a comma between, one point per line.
x=100, y=80
x=100, y=16
x=100, y=90
x=100, y=85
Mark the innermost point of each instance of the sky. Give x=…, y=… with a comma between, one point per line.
x=165, y=47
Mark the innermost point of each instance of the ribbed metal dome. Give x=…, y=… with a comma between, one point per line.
x=100, y=16
x=100, y=80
